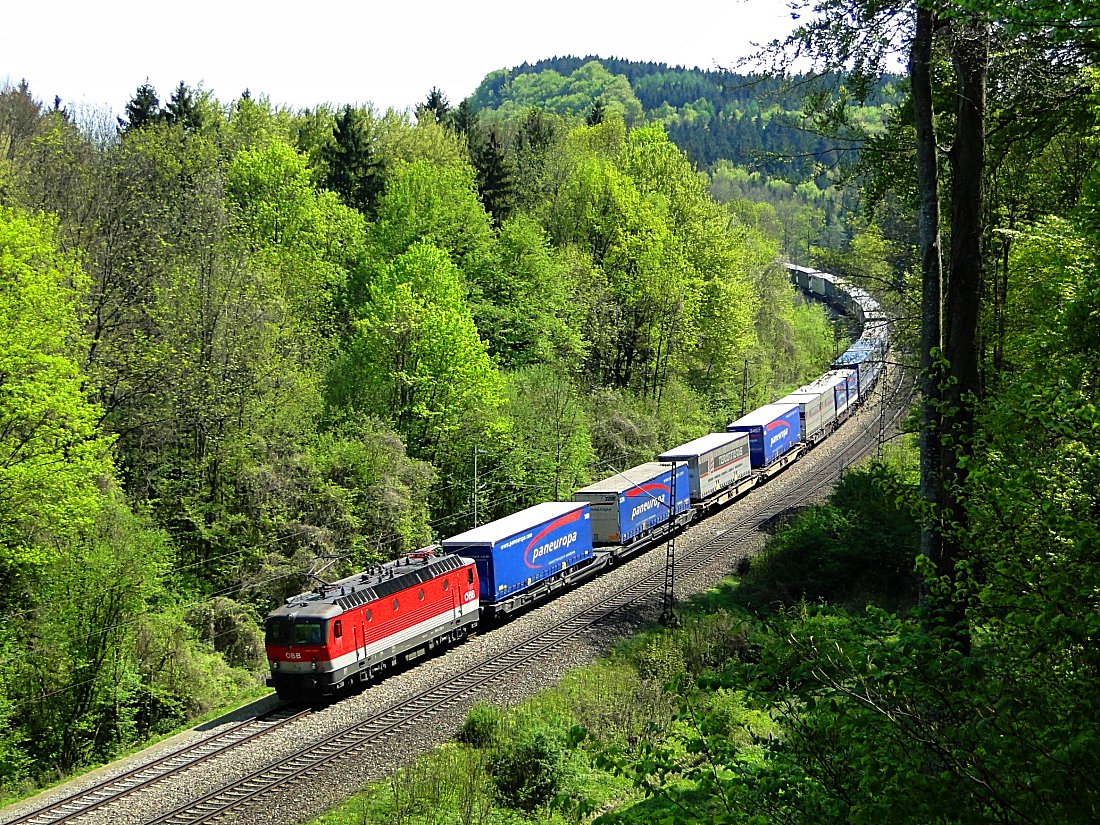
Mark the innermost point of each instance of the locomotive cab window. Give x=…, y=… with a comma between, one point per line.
x=395, y=604
x=337, y=629
x=368, y=614
x=307, y=633
x=420, y=595
x=285, y=631
x=470, y=575
x=446, y=584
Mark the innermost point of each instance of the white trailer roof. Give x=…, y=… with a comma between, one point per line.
x=764, y=415
x=702, y=445
x=516, y=523
x=628, y=479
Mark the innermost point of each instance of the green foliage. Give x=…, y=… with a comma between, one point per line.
x=52, y=455
x=354, y=171
x=661, y=659
x=417, y=358
x=550, y=435
x=752, y=120
x=525, y=310
x=285, y=371
x=482, y=727
x=74, y=681
x=531, y=768
x=575, y=94
x=860, y=547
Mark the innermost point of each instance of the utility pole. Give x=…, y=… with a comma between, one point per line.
x=475, y=486
x=668, y=600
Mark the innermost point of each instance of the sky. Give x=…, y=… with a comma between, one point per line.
x=389, y=54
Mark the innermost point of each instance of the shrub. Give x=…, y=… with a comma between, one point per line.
x=482, y=725
x=660, y=659
x=529, y=770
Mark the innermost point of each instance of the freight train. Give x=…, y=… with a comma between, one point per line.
x=353, y=629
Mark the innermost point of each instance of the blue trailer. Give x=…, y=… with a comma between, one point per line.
x=865, y=360
x=775, y=430
x=523, y=557
x=631, y=505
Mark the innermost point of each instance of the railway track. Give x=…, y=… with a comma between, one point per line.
x=116, y=788
x=311, y=761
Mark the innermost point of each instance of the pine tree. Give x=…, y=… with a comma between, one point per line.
x=143, y=108
x=436, y=105
x=464, y=119
x=495, y=176
x=183, y=109
x=353, y=170
x=599, y=110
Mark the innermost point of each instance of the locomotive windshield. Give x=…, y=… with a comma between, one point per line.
x=285, y=631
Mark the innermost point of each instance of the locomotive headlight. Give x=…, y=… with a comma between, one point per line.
x=275, y=665
x=314, y=665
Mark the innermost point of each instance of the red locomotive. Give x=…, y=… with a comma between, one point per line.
x=351, y=629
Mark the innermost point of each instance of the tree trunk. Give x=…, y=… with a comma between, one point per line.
x=920, y=71
x=970, y=55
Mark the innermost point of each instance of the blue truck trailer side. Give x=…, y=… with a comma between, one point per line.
x=519, y=551
x=630, y=504
x=773, y=429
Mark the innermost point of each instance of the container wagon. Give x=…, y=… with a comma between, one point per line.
x=817, y=410
x=524, y=557
x=774, y=436
x=718, y=465
x=866, y=362
x=632, y=506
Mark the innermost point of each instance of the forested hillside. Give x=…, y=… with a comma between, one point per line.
x=923, y=648
x=752, y=121
x=239, y=343
x=761, y=138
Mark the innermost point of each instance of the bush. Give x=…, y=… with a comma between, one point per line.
x=660, y=659
x=710, y=641
x=529, y=770
x=482, y=725
x=858, y=548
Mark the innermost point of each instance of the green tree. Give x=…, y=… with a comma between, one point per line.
x=495, y=174
x=416, y=358
x=184, y=108
x=550, y=433
x=437, y=107
x=142, y=109
x=354, y=171
x=52, y=454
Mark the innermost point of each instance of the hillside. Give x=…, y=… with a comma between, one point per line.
x=750, y=120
